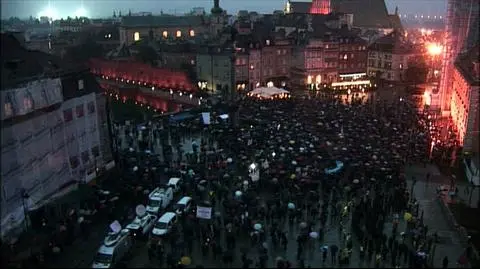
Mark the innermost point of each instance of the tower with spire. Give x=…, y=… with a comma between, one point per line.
x=217, y=18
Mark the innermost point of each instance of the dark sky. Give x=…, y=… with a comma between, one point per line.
x=102, y=8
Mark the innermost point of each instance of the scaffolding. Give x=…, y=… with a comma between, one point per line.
x=461, y=16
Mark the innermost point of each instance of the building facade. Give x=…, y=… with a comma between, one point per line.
x=215, y=68
x=54, y=128
x=388, y=58
x=465, y=100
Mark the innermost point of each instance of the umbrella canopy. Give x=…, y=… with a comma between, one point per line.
x=257, y=226
x=185, y=260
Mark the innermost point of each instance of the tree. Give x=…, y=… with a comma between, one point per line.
x=416, y=72
x=190, y=70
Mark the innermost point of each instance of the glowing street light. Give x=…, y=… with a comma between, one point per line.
x=434, y=49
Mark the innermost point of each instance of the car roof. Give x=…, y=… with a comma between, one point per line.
x=184, y=200
x=174, y=180
x=106, y=250
x=167, y=217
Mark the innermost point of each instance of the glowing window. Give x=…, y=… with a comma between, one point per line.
x=7, y=109
x=318, y=79
x=192, y=33
x=27, y=103
x=179, y=33
x=270, y=84
x=309, y=79
x=267, y=42
x=345, y=57
x=165, y=34
x=136, y=36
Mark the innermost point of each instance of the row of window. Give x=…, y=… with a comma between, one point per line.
x=85, y=157
x=79, y=111
x=178, y=34
x=348, y=48
x=344, y=66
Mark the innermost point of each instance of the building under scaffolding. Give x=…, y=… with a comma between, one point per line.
x=461, y=34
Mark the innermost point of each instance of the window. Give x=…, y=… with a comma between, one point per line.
x=85, y=156
x=7, y=109
x=351, y=55
x=67, y=115
x=27, y=103
x=279, y=52
x=95, y=151
x=179, y=34
x=267, y=42
x=80, y=84
x=165, y=34
x=192, y=33
x=345, y=57
x=136, y=36
x=79, y=111
x=91, y=107
x=74, y=162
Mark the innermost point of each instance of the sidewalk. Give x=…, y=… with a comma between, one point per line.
x=451, y=243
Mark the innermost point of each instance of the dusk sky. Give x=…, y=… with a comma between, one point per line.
x=103, y=8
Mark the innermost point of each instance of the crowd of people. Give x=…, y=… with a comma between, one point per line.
x=282, y=177
x=293, y=143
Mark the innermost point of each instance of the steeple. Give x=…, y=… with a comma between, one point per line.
x=396, y=10
x=114, y=14
x=216, y=10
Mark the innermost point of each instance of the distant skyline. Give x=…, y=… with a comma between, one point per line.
x=104, y=8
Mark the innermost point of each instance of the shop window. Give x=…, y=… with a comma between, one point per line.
x=179, y=33
x=165, y=34
x=136, y=36
x=192, y=33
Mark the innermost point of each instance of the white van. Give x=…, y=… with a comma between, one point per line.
x=114, y=249
x=183, y=205
x=158, y=199
x=174, y=183
x=164, y=224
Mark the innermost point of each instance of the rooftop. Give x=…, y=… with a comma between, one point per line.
x=392, y=43
x=366, y=13
x=162, y=20
x=20, y=65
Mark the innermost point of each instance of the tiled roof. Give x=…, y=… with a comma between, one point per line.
x=163, y=20
x=392, y=43
x=20, y=64
x=366, y=13
x=300, y=7
x=465, y=62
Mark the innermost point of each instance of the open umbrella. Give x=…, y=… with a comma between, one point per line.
x=185, y=260
x=238, y=193
x=313, y=235
x=257, y=227
x=303, y=225
x=291, y=205
x=356, y=181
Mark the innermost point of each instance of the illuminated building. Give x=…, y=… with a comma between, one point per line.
x=465, y=97
x=461, y=34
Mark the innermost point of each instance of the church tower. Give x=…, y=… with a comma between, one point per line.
x=217, y=18
x=320, y=7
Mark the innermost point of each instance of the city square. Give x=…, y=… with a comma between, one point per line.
x=311, y=137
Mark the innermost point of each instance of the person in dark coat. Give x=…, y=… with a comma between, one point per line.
x=445, y=262
x=333, y=253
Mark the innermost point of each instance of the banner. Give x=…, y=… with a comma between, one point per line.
x=206, y=118
x=204, y=212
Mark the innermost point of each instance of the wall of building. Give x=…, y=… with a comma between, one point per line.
x=464, y=109
x=127, y=34
x=216, y=70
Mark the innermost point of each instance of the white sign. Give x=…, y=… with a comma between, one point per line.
x=115, y=226
x=206, y=118
x=204, y=212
